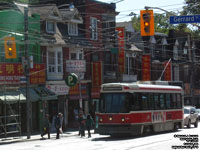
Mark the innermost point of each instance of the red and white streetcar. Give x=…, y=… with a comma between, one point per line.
x=139, y=107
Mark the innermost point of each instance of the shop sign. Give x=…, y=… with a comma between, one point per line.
x=121, y=48
x=95, y=92
x=75, y=66
x=146, y=68
x=74, y=92
x=12, y=73
x=58, y=89
x=96, y=74
x=167, y=73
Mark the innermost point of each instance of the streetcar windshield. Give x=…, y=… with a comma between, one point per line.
x=114, y=103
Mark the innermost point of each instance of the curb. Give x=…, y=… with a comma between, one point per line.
x=10, y=140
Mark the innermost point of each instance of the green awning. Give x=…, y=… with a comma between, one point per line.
x=45, y=94
x=33, y=95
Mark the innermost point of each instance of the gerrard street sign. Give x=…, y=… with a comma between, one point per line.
x=185, y=19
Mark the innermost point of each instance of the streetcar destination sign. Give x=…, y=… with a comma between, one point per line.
x=185, y=19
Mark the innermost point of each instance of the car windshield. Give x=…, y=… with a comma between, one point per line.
x=186, y=111
x=198, y=110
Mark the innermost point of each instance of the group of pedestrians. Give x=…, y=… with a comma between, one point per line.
x=58, y=126
x=85, y=124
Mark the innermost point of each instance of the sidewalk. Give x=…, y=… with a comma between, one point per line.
x=35, y=137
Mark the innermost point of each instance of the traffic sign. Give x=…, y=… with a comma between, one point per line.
x=184, y=19
x=71, y=79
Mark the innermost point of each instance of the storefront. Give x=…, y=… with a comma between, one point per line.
x=61, y=104
x=78, y=101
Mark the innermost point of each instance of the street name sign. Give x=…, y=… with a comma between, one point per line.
x=184, y=19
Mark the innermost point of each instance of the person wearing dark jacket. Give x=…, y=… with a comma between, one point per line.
x=58, y=125
x=81, y=121
x=89, y=123
x=46, y=129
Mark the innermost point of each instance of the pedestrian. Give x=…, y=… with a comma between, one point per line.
x=89, y=124
x=58, y=125
x=46, y=128
x=81, y=125
x=61, y=123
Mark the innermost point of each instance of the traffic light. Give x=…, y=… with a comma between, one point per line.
x=10, y=47
x=147, y=22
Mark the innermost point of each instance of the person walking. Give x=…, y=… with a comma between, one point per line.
x=46, y=128
x=58, y=125
x=81, y=125
x=89, y=124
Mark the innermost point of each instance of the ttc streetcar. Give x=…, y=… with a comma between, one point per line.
x=139, y=108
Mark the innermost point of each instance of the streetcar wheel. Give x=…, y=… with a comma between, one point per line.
x=147, y=130
x=176, y=126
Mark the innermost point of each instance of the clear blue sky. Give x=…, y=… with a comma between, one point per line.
x=127, y=6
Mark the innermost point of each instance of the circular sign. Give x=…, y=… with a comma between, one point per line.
x=71, y=79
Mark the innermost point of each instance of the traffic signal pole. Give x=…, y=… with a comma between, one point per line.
x=28, y=104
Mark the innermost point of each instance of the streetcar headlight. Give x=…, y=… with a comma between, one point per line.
x=123, y=119
x=110, y=118
x=100, y=119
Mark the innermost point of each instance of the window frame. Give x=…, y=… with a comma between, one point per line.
x=54, y=26
x=57, y=64
x=73, y=29
x=93, y=28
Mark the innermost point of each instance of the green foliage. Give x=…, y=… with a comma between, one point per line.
x=161, y=23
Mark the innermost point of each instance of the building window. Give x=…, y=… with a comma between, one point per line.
x=50, y=26
x=54, y=61
x=72, y=29
x=78, y=55
x=93, y=27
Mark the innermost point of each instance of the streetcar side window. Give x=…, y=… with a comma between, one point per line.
x=144, y=98
x=162, y=101
x=151, y=101
x=179, y=101
x=174, y=101
x=156, y=101
x=168, y=102
x=135, y=102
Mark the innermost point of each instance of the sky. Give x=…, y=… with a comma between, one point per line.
x=125, y=7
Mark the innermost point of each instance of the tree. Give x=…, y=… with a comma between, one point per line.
x=192, y=7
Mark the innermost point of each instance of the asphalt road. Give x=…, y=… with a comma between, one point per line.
x=71, y=141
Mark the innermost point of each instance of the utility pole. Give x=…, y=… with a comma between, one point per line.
x=191, y=59
x=27, y=66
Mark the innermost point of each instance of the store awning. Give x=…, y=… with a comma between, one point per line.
x=12, y=97
x=36, y=94
x=45, y=94
x=33, y=95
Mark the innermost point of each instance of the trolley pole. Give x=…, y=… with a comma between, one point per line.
x=28, y=106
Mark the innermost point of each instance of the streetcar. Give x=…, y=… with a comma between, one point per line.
x=139, y=108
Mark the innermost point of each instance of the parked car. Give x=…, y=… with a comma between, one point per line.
x=190, y=116
x=198, y=111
